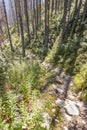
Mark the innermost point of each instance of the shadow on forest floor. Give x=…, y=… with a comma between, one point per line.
x=67, y=53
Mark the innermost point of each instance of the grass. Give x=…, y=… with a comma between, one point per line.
x=21, y=100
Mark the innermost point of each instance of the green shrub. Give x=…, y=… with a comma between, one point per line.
x=26, y=77
x=80, y=82
x=3, y=70
x=35, y=74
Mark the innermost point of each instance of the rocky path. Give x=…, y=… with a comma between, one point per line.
x=73, y=111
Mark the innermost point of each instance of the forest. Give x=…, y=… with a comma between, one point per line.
x=43, y=64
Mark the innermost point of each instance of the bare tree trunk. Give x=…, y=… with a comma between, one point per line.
x=77, y=17
x=21, y=27
x=69, y=8
x=27, y=18
x=39, y=12
x=34, y=17
x=13, y=12
x=9, y=35
x=47, y=2
x=56, y=6
x=64, y=21
x=17, y=20
x=84, y=12
x=76, y=8
x=52, y=7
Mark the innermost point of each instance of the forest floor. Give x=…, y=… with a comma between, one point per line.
x=72, y=110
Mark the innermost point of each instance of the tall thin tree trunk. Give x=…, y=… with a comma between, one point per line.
x=17, y=20
x=39, y=12
x=64, y=21
x=47, y=2
x=76, y=19
x=13, y=12
x=9, y=35
x=52, y=7
x=56, y=6
x=69, y=9
x=21, y=27
x=76, y=7
x=27, y=18
x=84, y=12
x=34, y=17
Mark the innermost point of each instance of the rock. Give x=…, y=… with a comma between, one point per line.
x=56, y=120
x=53, y=110
x=71, y=84
x=58, y=80
x=61, y=91
x=56, y=70
x=65, y=128
x=59, y=102
x=74, y=94
x=79, y=104
x=47, y=66
x=52, y=92
x=67, y=117
x=24, y=127
x=71, y=108
x=53, y=104
x=71, y=97
x=19, y=97
x=67, y=77
x=81, y=121
x=47, y=121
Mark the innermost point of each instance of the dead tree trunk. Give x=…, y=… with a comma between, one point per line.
x=9, y=35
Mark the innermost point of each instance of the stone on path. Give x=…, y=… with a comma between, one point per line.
x=71, y=108
x=58, y=80
x=61, y=91
x=59, y=102
x=71, y=97
x=47, y=121
x=65, y=128
x=51, y=92
x=47, y=66
x=67, y=117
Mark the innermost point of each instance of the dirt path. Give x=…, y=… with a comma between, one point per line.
x=73, y=111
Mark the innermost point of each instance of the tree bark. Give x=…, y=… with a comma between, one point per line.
x=27, y=18
x=64, y=21
x=17, y=20
x=47, y=2
x=9, y=35
x=21, y=27
x=84, y=12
